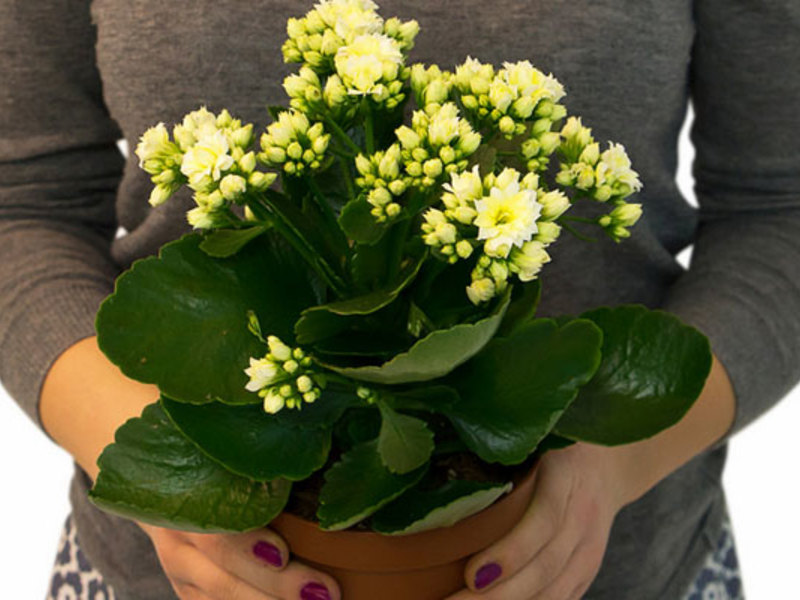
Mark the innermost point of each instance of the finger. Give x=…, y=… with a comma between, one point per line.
x=263, y=547
x=531, y=579
x=537, y=529
x=582, y=567
x=239, y=555
x=189, y=592
x=189, y=567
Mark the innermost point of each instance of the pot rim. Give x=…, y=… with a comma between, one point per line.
x=371, y=551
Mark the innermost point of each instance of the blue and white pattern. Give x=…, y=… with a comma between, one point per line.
x=720, y=578
x=73, y=577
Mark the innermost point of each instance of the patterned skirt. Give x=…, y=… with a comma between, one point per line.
x=74, y=578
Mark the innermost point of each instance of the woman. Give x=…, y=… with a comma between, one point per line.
x=635, y=522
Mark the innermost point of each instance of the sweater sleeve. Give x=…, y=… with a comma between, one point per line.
x=59, y=168
x=743, y=286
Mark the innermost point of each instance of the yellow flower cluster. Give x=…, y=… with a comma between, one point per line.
x=293, y=144
x=316, y=38
x=509, y=98
x=510, y=218
x=604, y=176
x=209, y=153
x=439, y=142
x=284, y=377
x=381, y=175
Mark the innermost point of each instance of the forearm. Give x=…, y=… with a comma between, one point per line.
x=85, y=398
x=642, y=465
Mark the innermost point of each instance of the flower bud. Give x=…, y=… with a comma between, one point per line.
x=554, y=204
x=232, y=186
x=481, y=291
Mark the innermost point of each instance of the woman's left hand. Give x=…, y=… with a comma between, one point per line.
x=555, y=551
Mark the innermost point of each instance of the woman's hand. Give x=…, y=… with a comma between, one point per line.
x=555, y=551
x=247, y=566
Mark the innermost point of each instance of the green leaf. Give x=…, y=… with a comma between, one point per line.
x=152, y=473
x=654, y=368
x=222, y=243
x=324, y=321
x=516, y=389
x=248, y=441
x=358, y=485
x=418, y=510
x=524, y=301
x=358, y=224
x=324, y=413
x=405, y=443
x=434, y=355
x=180, y=320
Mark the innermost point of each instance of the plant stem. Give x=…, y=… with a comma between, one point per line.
x=577, y=233
x=578, y=219
x=342, y=136
x=265, y=211
x=369, y=127
x=327, y=211
x=348, y=178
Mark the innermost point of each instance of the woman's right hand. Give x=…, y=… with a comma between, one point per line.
x=244, y=566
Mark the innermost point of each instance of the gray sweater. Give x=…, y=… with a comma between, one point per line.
x=77, y=76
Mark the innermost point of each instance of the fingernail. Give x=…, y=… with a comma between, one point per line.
x=268, y=553
x=486, y=575
x=314, y=591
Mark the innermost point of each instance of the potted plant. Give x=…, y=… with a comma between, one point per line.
x=354, y=355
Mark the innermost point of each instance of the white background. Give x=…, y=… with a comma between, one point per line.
x=761, y=479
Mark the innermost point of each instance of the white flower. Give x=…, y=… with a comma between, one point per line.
x=206, y=161
x=367, y=61
x=554, y=204
x=619, y=166
x=202, y=217
x=278, y=349
x=350, y=18
x=444, y=125
x=273, y=401
x=466, y=186
x=527, y=261
x=262, y=372
x=481, y=290
x=232, y=186
x=153, y=145
x=507, y=216
x=530, y=81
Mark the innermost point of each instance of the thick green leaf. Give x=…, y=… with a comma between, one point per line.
x=434, y=355
x=358, y=224
x=524, y=301
x=222, y=243
x=516, y=389
x=654, y=368
x=320, y=322
x=250, y=442
x=358, y=485
x=180, y=320
x=153, y=473
x=418, y=510
x=405, y=443
x=323, y=413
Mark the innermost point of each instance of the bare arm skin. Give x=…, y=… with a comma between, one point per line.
x=83, y=400
x=556, y=550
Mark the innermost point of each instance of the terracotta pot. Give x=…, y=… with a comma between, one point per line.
x=421, y=566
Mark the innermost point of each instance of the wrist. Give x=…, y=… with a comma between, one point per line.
x=638, y=467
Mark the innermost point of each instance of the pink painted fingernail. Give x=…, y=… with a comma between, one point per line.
x=314, y=591
x=487, y=575
x=268, y=553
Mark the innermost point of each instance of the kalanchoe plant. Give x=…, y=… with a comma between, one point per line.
x=375, y=312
